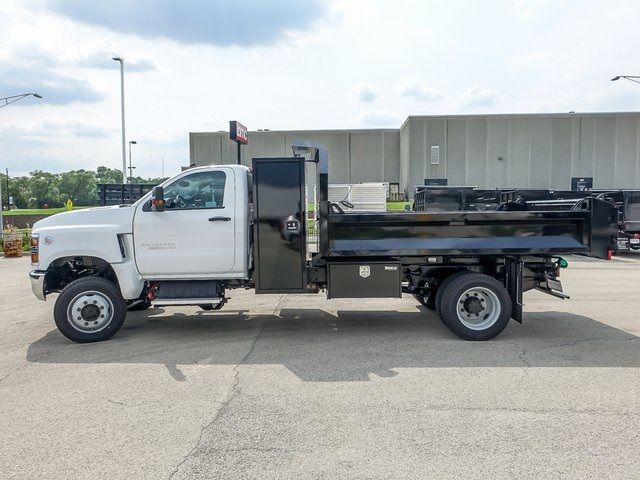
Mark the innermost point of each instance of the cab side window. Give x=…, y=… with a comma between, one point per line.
x=196, y=191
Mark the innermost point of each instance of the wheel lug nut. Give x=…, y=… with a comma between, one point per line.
x=101, y=316
x=85, y=302
x=86, y=324
x=102, y=307
x=95, y=301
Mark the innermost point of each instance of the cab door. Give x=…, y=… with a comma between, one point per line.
x=194, y=236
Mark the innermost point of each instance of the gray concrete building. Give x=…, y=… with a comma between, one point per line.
x=487, y=151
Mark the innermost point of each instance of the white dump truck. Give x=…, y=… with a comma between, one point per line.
x=211, y=229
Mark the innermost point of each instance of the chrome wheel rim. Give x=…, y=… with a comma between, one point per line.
x=478, y=308
x=90, y=311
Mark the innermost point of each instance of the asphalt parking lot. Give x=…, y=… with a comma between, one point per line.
x=300, y=387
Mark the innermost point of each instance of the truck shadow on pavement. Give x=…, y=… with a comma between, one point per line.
x=321, y=347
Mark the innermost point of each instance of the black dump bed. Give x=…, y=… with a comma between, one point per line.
x=590, y=228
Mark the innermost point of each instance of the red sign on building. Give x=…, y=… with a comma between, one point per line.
x=238, y=132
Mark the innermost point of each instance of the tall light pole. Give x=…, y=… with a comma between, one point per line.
x=124, y=142
x=131, y=167
x=15, y=98
x=631, y=78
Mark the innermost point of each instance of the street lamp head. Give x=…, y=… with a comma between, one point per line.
x=615, y=79
x=36, y=95
x=117, y=59
x=133, y=142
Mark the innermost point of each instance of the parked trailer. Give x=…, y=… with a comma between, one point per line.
x=627, y=202
x=452, y=198
x=122, y=193
x=212, y=229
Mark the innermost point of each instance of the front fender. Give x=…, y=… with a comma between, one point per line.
x=91, y=241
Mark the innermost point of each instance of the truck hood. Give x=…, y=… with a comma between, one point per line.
x=117, y=218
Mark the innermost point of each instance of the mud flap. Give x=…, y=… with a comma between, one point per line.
x=513, y=284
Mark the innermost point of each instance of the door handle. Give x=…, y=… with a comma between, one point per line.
x=220, y=219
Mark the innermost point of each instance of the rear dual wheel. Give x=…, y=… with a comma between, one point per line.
x=473, y=305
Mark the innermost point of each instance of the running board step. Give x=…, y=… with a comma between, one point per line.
x=168, y=302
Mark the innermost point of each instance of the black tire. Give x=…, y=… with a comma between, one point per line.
x=143, y=305
x=443, y=285
x=106, y=294
x=428, y=301
x=455, y=298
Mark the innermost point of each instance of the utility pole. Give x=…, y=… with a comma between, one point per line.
x=6, y=171
x=124, y=141
x=131, y=167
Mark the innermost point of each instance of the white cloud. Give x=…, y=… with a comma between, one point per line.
x=380, y=118
x=99, y=54
x=364, y=92
x=51, y=128
x=30, y=67
x=295, y=72
x=527, y=9
x=419, y=91
x=530, y=60
x=215, y=22
x=476, y=96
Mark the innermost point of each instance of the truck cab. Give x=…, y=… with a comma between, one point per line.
x=203, y=230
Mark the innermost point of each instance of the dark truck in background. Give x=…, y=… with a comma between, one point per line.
x=627, y=202
x=122, y=193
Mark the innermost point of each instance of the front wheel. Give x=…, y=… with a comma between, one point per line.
x=475, y=306
x=89, y=309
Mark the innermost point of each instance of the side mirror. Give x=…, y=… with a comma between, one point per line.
x=157, y=199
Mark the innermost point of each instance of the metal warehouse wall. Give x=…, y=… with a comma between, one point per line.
x=488, y=151
x=354, y=155
x=538, y=151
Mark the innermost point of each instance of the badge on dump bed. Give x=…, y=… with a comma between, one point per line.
x=365, y=271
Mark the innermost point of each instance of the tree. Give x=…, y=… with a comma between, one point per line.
x=108, y=175
x=21, y=191
x=153, y=181
x=79, y=186
x=45, y=189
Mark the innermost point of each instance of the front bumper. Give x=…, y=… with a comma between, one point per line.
x=37, y=283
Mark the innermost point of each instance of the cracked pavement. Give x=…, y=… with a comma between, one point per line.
x=281, y=386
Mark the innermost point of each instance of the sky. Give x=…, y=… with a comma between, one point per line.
x=292, y=64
